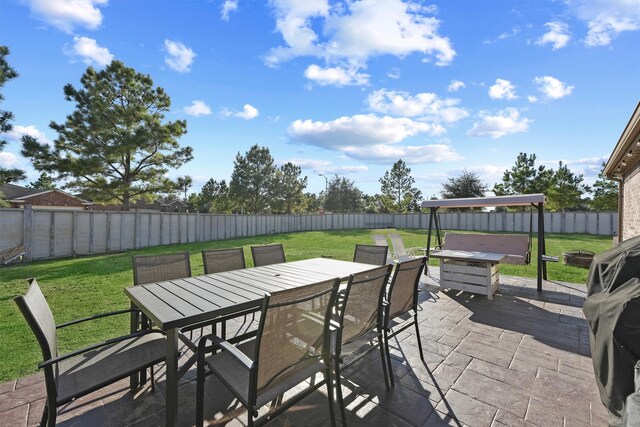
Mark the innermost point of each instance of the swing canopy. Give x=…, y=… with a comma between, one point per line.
x=486, y=202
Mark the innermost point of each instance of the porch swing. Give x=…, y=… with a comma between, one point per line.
x=517, y=247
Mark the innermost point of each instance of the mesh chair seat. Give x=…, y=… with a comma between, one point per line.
x=236, y=376
x=371, y=254
x=97, y=368
x=267, y=255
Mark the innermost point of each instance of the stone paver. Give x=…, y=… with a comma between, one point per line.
x=521, y=359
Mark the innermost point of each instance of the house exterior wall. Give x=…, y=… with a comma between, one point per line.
x=51, y=199
x=631, y=204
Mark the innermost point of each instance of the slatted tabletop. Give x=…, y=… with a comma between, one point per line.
x=182, y=302
x=469, y=255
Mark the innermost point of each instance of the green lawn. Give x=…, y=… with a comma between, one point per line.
x=79, y=287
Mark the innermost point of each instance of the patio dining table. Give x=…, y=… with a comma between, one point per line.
x=174, y=304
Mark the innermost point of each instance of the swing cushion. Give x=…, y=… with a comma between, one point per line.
x=515, y=246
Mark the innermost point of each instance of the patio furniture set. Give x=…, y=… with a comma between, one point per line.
x=314, y=317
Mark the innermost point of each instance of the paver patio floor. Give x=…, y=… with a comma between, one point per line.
x=521, y=359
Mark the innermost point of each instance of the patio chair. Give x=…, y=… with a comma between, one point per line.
x=81, y=372
x=371, y=254
x=290, y=346
x=360, y=315
x=380, y=240
x=218, y=261
x=157, y=268
x=402, y=299
x=400, y=252
x=267, y=255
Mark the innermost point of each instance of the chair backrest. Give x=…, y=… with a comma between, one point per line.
x=371, y=254
x=516, y=246
x=293, y=332
x=218, y=260
x=157, y=268
x=361, y=309
x=267, y=254
x=403, y=289
x=398, y=245
x=38, y=315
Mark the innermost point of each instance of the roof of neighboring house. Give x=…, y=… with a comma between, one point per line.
x=626, y=154
x=18, y=194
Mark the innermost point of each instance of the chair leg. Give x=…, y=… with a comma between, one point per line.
x=45, y=416
x=200, y=395
x=153, y=381
x=329, y=380
x=51, y=418
x=343, y=413
x=415, y=322
x=383, y=359
x=388, y=355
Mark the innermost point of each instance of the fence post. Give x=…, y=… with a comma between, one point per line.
x=27, y=227
x=136, y=230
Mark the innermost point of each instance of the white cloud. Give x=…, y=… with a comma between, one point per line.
x=249, y=112
x=552, y=88
x=411, y=154
x=558, y=35
x=227, y=7
x=502, y=89
x=606, y=18
x=352, y=32
x=532, y=99
x=90, y=52
x=427, y=106
x=19, y=131
x=180, y=57
x=372, y=138
x=358, y=130
x=197, y=108
x=67, y=14
x=394, y=73
x=9, y=160
x=506, y=122
x=326, y=166
x=455, y=85
x=336, y=76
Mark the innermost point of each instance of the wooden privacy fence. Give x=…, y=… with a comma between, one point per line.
x=62, y=233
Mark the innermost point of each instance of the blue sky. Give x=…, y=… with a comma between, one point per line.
x=347, y=87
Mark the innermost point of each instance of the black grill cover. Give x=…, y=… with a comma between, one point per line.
x=612, y=309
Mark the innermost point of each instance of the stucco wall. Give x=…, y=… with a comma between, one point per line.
x=631, y=204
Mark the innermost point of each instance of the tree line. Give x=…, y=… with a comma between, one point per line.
x=117, y=147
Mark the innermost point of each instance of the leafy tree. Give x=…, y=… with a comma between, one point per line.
x=253, y=180
x=468, y=184
x=44, y=182
x=288, y=189
x=605, y=193
x=524, y=178
x=343, y=196
x=6, y=117
x=114, y=145
x=312, y=202
x=399, y=194
x=566, y=190
x=375, y=204
x=214, y=197
x=183, y=183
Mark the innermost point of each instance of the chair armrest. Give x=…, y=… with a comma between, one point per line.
x=219, y=343
x=59, y=359
x=96, y=316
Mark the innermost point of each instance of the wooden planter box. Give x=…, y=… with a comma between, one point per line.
x=470, y=276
